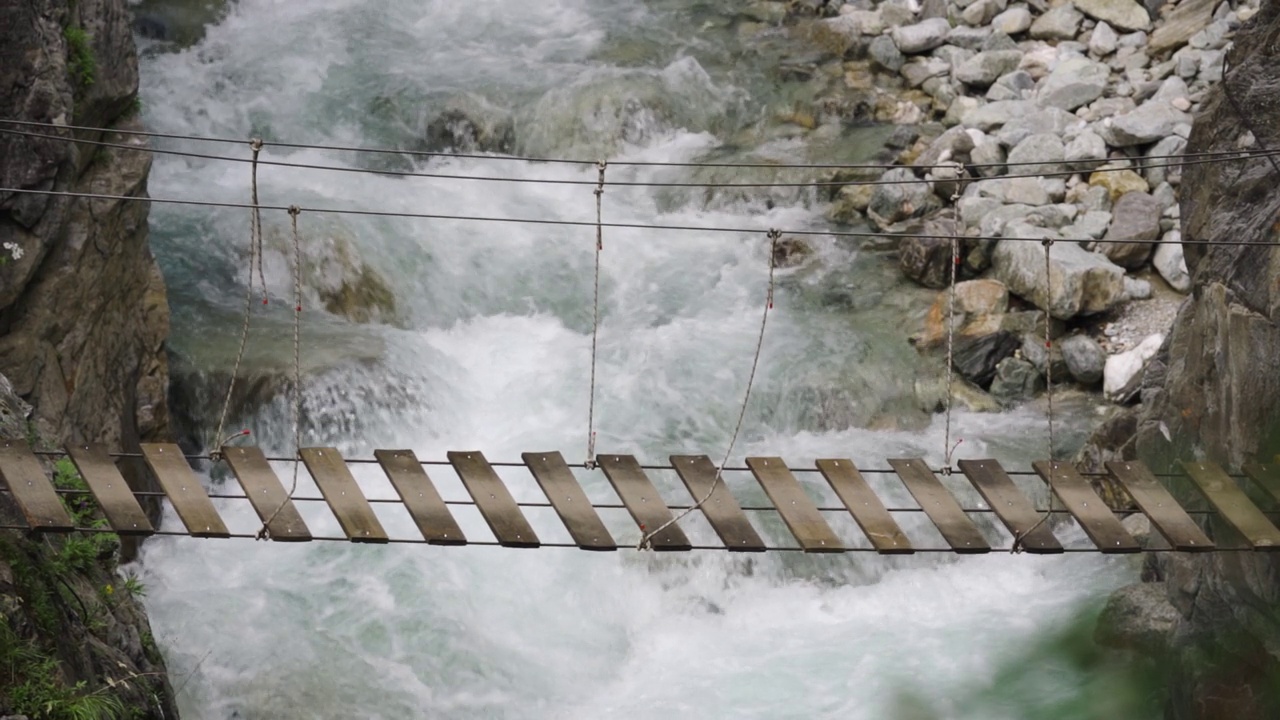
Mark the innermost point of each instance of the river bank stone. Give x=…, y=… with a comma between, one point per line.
x=1135, y=225
x=920, y=37
x=1123, y=14
x=1016, y=380
x=1075, y=82
x=1082, y=282
x=1084, y=358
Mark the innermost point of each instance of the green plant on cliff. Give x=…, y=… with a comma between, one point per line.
x=80, y=551
x=81, y=63
x=32, y=686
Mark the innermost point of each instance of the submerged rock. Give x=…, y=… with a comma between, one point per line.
x=1016, y=380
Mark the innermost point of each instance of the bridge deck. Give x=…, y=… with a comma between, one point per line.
x=814, y=515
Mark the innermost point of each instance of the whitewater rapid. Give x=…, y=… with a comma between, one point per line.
x=490, y=351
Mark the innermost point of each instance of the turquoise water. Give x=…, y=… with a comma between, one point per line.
x=489, y=348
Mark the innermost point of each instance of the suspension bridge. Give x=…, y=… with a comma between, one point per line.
x=938, y=493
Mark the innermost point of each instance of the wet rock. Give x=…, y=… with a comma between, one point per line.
x=1123, y=14
x=1044, y=359
x=1059, y=23
x=920, y=37
x=884, y=52
x=909, y=197
x=1140, y=618
x=470, y=126
x=1016, y=380
x=1151, y=121
x=1075, y=82
x=926, y=260
x=953, y=145
x=1084, y=358
x=1045, y=151
x=1122, y=374
x=1135, y=225
x=1081, y=282
x=982, y=69
x=976, y=358
x=1168, y=260
x=791, y=251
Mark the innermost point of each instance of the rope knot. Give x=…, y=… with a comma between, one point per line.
x=255, y=145
x=295, y=211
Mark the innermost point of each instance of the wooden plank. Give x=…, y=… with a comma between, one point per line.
x=493, y=499
x=721, y=509
x=1010, y=505
x=1157, y=504
x=865, y=506
x=798, y=511
x=643, y=501
x=110, y=489
x=570, y=502
x=1233, y=505
x=266, y=494
x=941, y=507
x=1267, y=476
x=1079, y=498
x=32, y=490
x=184, y=490
x=420, y=497
x=343, y=494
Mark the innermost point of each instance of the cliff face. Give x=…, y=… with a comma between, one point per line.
x=1215, y=390
x=83, y=320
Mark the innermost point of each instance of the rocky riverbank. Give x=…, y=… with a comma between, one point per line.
x=1059, y=122
x=83, y=322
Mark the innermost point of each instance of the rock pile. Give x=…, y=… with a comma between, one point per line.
x=1055, y=122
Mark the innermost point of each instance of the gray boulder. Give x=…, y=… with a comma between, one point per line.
x=1086, y=151
x=905, y=198
x=921, y=37
x=885, y=53
x=1123, y=14
x=976, y=358
x=1045, y=150
x=1149, y=122
x=1060, y=23
x=1135, y=225
x=1079, y=282
x=1015, y=380
x=1075, y=82
x=982, y=69
x=1084, y=358
x=1169, y=261
x=1139, y=618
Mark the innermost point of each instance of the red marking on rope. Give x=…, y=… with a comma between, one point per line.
x=642, y=526
x=298, y=308
x=242, y=432
x=1048, y=344
x=264, y=301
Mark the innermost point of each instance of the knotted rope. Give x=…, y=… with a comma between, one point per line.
x=595, y=320
x=646, y=542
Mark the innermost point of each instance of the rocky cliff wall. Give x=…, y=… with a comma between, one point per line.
x=1214, y=392
x=83, y=321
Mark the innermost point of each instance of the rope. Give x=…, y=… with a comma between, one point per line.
x=1019, y=538
x=947, y=448
x=1177, y=161
x=590, y=462
x=255, y=257
x=584, y=223
x=646, y=542
x=264, y=532
x=529, y=159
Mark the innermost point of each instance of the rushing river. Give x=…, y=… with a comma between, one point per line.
x=487, y=348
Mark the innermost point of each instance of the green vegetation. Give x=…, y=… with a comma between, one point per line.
x=81, y=63
x=35, y=688
x=80, y=551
